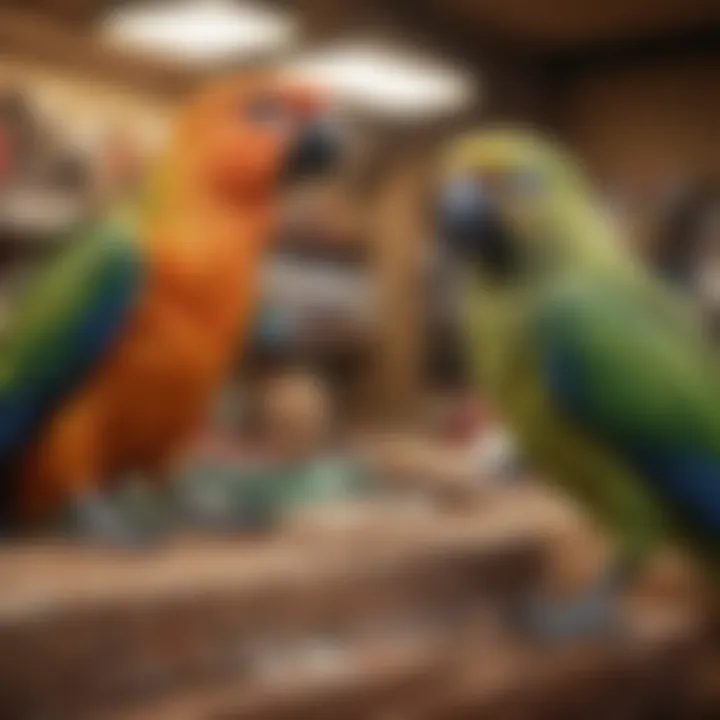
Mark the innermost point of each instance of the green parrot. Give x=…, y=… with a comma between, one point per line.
x=600, y=370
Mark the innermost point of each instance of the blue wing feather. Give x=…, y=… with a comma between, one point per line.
x=675, y=450
x=57, y=360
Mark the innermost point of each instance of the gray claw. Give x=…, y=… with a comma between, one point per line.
x=93, y=519
x=591, y=617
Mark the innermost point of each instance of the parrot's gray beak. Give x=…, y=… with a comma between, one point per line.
x=315, y=151
x=474, y=230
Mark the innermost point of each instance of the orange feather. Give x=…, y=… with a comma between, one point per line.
x=202, y=239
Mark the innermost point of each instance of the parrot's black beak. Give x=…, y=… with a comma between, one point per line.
x=315, y=151
x=474, y=230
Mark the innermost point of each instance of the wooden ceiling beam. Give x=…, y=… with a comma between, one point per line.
x=609, y=56
x=37, y=40
x=551, y=25
x=68, y=12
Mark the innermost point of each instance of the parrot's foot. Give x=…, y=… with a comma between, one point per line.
x=595, y=614
x=224, y=523
x=95, y=520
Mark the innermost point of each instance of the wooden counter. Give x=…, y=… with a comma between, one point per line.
x=81, y=629
x=381, y=612
x=475, y=677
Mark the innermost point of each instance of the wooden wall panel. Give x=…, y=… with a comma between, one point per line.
x=395, y=382
x=648, y=126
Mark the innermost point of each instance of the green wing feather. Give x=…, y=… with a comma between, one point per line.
x=65, y=326
x=644, y=388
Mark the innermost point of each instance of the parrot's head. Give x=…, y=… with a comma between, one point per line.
x=244, y=139
x=512, y=202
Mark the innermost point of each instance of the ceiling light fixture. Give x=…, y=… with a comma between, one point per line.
x=199, y=31
x=387, y=81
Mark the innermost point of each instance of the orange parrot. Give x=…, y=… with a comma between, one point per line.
x=113, y=359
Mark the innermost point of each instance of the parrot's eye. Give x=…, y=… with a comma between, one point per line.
x=268, y=111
